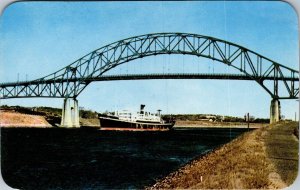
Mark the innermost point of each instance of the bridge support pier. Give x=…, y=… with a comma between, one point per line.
x=70, y=113
x=274, y=111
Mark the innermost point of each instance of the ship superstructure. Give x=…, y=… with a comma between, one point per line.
x=127, y=120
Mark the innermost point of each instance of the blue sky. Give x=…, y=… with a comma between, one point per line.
x=38, y=38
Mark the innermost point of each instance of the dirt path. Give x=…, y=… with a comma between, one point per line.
x=264, y=158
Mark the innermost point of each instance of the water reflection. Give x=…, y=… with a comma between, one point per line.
x=91, y=159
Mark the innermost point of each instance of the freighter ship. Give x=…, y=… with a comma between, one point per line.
x=138, y=121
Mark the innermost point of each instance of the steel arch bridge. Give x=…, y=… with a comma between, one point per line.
x=71, y=80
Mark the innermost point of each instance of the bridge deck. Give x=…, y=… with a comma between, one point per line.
x=217, y=76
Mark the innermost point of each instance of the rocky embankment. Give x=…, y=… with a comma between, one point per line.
x=92, y=122
x=264, y=158
x=15, y=119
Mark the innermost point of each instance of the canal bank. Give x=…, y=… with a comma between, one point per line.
x=264, y=158
x=216, y=124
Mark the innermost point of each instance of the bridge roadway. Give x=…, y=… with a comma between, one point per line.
x=219, y=76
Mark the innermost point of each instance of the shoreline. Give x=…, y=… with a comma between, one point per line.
x=97, y=126
x=261, y=163
x=15, y=119
x=208, y=124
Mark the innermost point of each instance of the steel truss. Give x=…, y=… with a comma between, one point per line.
x=70, y=81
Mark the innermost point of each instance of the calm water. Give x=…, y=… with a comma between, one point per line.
x=91, y=159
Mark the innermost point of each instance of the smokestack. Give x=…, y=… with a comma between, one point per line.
x=142, y=108
x=158, y=112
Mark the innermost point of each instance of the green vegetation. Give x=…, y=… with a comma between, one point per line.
x=25, y=110
x=88, y=114
x=212, y=117
x=48, y=111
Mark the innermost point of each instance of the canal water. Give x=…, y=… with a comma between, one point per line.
x=55, y=158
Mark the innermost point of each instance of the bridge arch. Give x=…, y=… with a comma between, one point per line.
x=108, y=57
x=71, y=80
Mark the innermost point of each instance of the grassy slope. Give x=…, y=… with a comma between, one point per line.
x=263, y=158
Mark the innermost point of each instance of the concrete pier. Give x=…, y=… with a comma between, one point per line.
x=70, y=113
x=274, y=111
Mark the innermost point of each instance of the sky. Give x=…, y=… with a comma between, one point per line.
x=38, y=38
